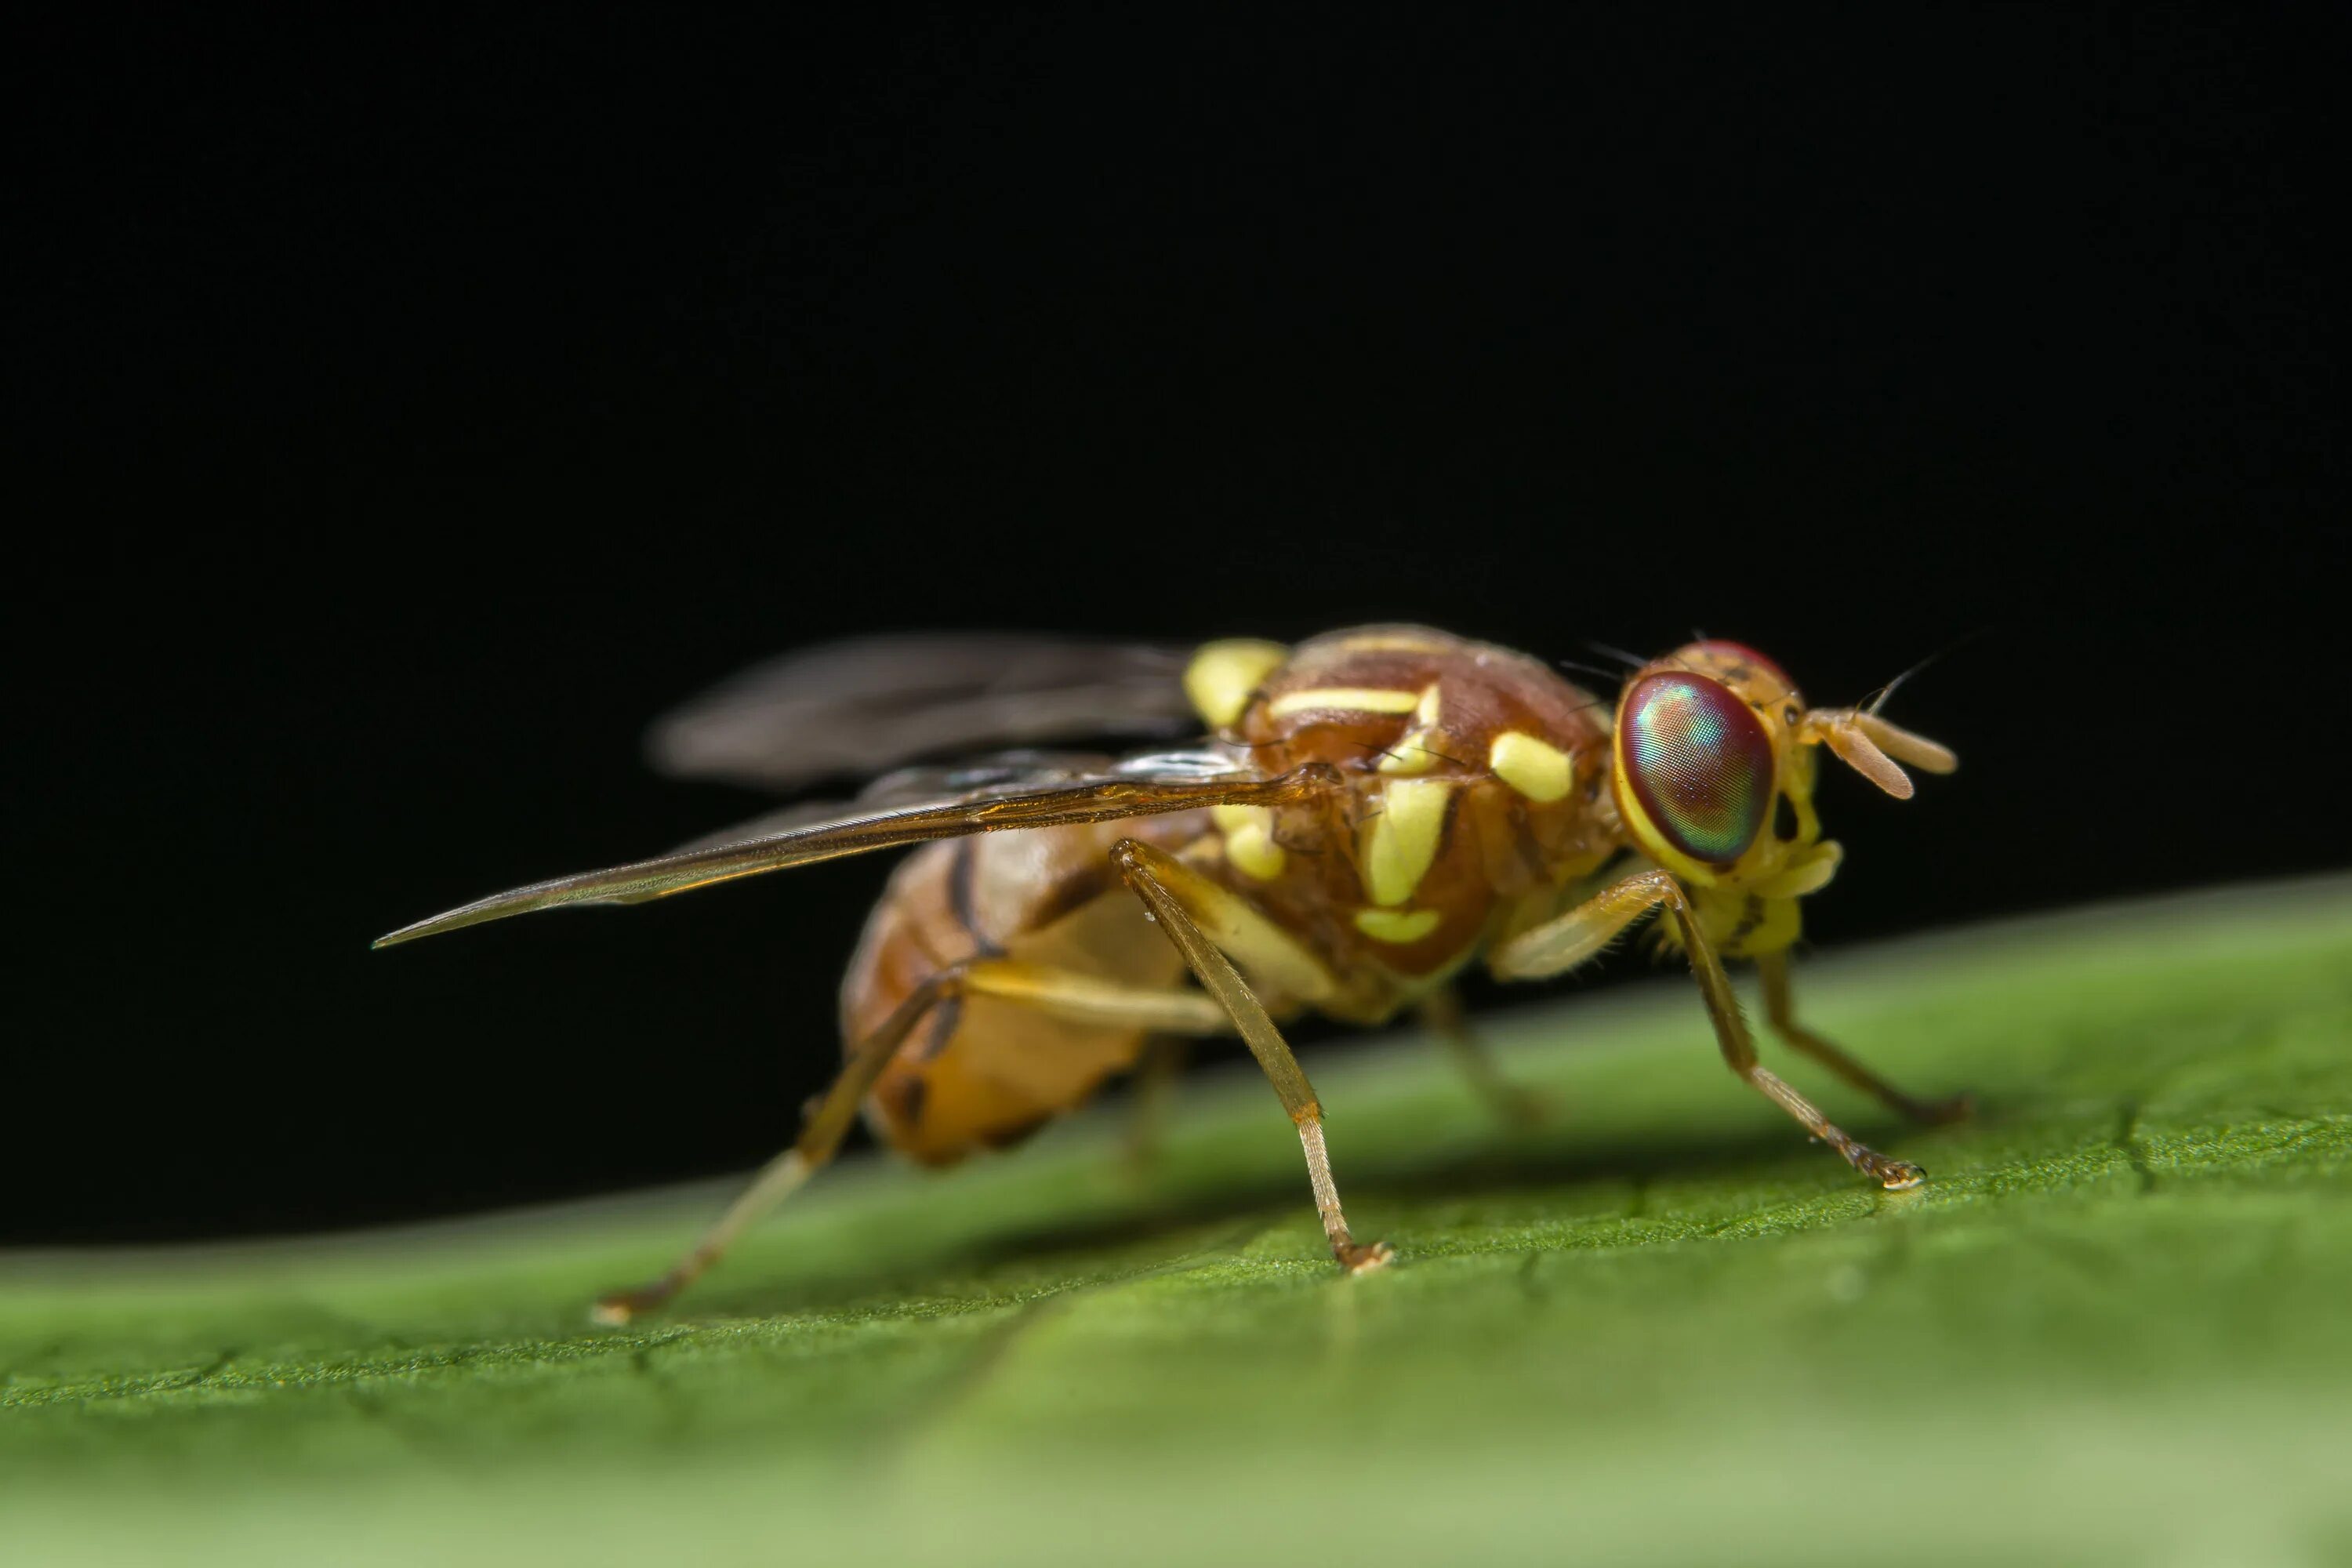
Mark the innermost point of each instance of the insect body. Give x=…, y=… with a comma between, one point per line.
x=1355, y=901
x=1374, y=809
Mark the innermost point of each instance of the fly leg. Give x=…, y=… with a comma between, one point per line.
x=1155, y=1086
x=1204, y=921
x=1561, y=944
x=1514, y=1104
x=821, y=1134
x=1772, y=968
x=1079, y=998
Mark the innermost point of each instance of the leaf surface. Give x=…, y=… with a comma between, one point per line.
x=2115, y=1326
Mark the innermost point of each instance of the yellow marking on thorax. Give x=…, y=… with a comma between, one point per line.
x=1420, y=748
x=1223, y=676
x=1344, y=699
x=1537, y=769
x=1249, y=840
x=1416, y=752
x=1402, y=642
x=1400, y=843
x=1397, y=926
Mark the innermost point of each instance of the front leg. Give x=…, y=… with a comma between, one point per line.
x=1561, y=944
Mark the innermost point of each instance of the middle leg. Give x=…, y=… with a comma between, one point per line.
x=1181, y=901
x=1514, y=1104
x=1772, y=969
x=1164, y=1063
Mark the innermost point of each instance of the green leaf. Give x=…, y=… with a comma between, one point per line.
x=2115, y=1326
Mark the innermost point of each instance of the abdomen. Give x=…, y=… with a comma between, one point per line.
x=982, y=1072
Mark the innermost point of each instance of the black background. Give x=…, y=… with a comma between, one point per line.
x=415, y=412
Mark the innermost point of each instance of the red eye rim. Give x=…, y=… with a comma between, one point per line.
x=1723, y=648
x=1698, y=764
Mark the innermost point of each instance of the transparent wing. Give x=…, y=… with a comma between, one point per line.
x=859, y=706
x=1043, y=798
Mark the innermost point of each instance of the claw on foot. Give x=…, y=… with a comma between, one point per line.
x=623, y=1306
x=1894, y=1175
x=1525, y=1110
x=1898, y=1175
x=1357, y=1258
x=1935, y=1112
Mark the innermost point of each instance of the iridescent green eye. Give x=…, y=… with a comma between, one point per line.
x=1698, y=763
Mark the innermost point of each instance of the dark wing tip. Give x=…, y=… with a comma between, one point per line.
x=620, y=884
x=451, y=921
x=1137, y=786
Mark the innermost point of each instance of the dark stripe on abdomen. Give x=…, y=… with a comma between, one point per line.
x=961, y=873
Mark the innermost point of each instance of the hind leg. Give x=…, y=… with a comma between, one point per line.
x=1076, y=998
x=821, y=1134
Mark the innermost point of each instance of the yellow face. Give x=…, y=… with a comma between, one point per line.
x=1708, y=769
x=1713, y=769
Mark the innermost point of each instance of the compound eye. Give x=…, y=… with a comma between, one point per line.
x=1698, y=763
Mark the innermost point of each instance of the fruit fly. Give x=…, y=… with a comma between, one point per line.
x=1371, y=811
